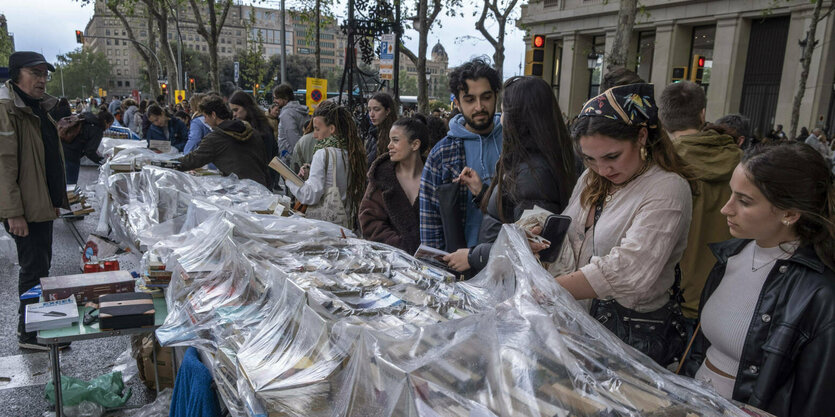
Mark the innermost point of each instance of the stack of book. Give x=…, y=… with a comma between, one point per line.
x=78, y=202
x=51, y=314
x=156, y=276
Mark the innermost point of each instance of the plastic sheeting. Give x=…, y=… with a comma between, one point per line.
x=298, y=318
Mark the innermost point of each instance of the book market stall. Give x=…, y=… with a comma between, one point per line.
x=297, y=317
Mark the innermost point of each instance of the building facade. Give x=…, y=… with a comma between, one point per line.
x=105, y=33
x=437, y=67
x=751, y=50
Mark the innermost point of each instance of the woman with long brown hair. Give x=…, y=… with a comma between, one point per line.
x=338, y=161
x=767, y=312
x=382, y=112
x=631, y=211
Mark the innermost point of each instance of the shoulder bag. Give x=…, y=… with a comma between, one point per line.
x=330, y=207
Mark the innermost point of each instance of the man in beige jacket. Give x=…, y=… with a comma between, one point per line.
x=32, y=181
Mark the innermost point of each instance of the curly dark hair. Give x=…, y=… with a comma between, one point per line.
x=472, y=70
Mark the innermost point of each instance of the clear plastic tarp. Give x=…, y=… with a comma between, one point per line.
x=299, y=318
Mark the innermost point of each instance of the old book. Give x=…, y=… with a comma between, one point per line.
x=51, y=314
x=285, y=171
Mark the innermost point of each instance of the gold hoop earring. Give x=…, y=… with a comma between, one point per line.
x=643, y=153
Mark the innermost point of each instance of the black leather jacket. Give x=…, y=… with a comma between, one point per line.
x=788, y=362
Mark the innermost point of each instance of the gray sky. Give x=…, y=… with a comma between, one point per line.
x=48, y=26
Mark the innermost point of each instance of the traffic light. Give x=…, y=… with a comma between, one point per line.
x=698, y=69
x=535, y=56
x=679, y=74
x=191, y=83
x=79, y=36
x=163, y=89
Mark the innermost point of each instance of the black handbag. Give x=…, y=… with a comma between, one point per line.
x=451, y=220
x=659, y=334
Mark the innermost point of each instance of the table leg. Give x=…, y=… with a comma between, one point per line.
x=56, y=378
x=154, y=354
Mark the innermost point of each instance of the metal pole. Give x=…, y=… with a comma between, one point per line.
x=397, y=31
x=180, y=80
x=283, y=41
x=62, y=82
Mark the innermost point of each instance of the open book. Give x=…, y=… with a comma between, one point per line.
x=432, y=256
x=285, y=171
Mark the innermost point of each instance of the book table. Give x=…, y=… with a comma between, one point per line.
x=79, y=331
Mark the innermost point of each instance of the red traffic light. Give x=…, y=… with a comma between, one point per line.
x=538, y=41
x=79, y=36
x=701, y=61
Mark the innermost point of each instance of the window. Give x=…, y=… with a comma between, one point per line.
x=223, y=49
x=124, y=43
x=204, y=48
x=119, y=83
x=143, y=33
x=327, y=60
x=118, y=72
x=108, y=41
x=124, y=33
x=301, y=42
x=126, y=62
x=704, y=38
x=327, y=36
x=107, y=32
x=127, y=83
x=237, y=33
x=598, y=46
x=239, y=41
x=305, y=51
x=327, y=45
x=646, y=50
x=118, y=52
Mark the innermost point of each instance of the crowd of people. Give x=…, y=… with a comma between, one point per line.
x=708, y=250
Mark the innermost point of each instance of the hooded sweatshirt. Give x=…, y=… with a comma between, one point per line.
x=713, y=158
x=481, y=153
x=291, y=121
x=233, y=148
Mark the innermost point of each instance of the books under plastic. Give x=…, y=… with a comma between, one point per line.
x=126, y=311
x=51, y=314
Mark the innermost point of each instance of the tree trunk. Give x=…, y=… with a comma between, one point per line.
x=423, y=41
x=318, y=51
x=160, y=14
x=501, y=16
x=150, y=61
x=805, y=62
x=153, y=68
x=212, y=34
x=623, y=35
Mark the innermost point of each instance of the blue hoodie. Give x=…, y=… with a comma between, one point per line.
x=482, y=153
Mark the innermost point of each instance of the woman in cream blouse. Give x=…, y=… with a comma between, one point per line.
x=631, y=213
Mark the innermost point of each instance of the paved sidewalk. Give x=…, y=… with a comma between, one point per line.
x=23, y=373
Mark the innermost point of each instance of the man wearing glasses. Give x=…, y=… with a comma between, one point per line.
x=32, y=182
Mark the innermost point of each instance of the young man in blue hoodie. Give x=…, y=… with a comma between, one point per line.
x=450, y=216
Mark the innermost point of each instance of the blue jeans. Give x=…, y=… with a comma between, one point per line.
x=71, y=168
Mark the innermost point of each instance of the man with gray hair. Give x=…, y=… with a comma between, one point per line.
x=740, y=125
x=713, y=158
x=32, y=177
x=814, y=141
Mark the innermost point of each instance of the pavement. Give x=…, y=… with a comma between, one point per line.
x=24, y=373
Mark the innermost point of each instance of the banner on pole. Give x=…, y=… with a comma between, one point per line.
x=317, y=92
x=179, y=96
x=387, y=56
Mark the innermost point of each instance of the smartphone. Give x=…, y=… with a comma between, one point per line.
x=556, y=226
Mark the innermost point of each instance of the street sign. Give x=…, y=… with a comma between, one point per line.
x=317, y=92
x=135, y=95
x=237, y=71
x=387, y=56
x=179, y=96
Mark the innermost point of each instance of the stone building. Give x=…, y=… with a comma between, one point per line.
x=751, y=49
x=128, y=65
x=437, y=68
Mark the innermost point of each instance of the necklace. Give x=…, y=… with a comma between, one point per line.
x=615, y=187
x=791, y=246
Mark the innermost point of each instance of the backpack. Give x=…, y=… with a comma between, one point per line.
x=69, y=127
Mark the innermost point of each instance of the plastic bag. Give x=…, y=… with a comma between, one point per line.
x=160, y=406
x=8, y=249
x=107, y=390
x=84, y=409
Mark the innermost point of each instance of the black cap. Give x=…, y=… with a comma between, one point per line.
x=22, y=59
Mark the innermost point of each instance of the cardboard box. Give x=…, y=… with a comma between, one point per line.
x=86, y=287
x=144, y=360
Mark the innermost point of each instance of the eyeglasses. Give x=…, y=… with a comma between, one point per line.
x=40, y=74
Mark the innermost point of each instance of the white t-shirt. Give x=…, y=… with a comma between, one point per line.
x=319, y=180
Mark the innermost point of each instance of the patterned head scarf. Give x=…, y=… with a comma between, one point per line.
x=633, y=104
